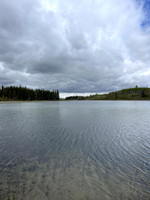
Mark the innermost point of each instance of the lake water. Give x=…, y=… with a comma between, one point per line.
x=75, y=150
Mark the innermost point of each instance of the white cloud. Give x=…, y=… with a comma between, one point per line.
x=74, y=46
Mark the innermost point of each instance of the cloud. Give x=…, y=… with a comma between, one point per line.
x=74, y=46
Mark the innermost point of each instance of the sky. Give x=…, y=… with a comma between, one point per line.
x=75, y=46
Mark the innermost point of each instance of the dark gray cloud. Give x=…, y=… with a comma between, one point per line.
x=75, y=46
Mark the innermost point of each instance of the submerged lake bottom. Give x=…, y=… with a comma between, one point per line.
x=75, y=150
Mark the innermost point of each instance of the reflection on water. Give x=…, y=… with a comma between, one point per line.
x=75, y=150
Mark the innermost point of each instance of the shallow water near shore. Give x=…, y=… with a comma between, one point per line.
x=75, y=150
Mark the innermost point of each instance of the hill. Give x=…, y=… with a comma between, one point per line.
x=138, y=93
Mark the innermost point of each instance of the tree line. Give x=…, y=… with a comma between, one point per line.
x=75, y=98
x=137, y=93
x=24, y=93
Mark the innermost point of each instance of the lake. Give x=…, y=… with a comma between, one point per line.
x=75, y=150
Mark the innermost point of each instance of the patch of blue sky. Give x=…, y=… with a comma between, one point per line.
x=146, y=9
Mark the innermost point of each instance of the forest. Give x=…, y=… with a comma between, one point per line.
x=137, y=93
x=14, y=93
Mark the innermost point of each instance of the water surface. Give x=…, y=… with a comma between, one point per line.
x=75, y=150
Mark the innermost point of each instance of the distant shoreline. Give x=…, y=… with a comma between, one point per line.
x=38, y=101
x=34, y=101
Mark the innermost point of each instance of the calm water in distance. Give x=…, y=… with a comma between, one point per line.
x=75, y=150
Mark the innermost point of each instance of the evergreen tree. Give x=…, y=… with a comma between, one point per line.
x=23, y=93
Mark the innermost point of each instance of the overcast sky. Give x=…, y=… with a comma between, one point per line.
x=76, y=46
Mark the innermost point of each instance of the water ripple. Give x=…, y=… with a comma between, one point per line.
x=75, y=150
